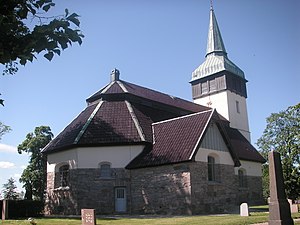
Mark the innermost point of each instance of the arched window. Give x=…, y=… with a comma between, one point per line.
x=211, y=166
x=64, y=175
x=242, y=178
x=105, y=170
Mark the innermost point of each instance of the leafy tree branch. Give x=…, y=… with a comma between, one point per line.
x=51, y=34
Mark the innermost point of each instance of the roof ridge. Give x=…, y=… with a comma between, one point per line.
x=135, y=121
x=184, y=116
x=121, y=85
x=203, y=131
x=160, y=92
x=87, y=123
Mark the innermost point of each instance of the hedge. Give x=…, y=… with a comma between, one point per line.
x=23, y=208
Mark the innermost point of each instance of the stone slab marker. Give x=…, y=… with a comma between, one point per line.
x=244, y=210
x=88, y=217
x=279, y=208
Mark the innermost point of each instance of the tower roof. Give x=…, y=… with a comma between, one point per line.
x=215, y=42
x=216, y=59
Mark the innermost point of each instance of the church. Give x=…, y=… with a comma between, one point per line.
x=135, y=150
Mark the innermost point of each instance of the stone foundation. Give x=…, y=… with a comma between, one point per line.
x=171, y=189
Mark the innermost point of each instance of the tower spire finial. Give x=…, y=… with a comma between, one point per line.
x=211, y=5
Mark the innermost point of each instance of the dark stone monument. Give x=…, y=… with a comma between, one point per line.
x=279, y=208
x=88, y=217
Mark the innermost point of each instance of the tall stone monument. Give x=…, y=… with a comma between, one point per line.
x=279, y=208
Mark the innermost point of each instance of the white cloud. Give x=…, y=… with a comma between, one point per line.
x=23, y=167
x=8, y=148
x=6, y=165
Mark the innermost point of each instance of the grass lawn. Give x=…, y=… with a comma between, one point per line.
x=180, y=220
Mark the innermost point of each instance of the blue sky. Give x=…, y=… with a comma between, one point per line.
x=156, y=44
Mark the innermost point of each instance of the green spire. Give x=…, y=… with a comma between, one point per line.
x=216, y=59
x=215, y=42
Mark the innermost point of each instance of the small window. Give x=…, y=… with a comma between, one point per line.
x=212, y=85
x=64, y=176
x=211, y=165
x=242, y=178
x=237, y=104
x=105, y=170
x=204, y=88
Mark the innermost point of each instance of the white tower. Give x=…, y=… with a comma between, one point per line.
x=219, y=83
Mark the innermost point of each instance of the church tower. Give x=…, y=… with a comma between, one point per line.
x=219, y=83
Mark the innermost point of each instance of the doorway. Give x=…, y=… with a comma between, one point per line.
x=120, y=199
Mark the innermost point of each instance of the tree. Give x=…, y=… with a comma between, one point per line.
x=34, y=175
x=4, y=129
x=282, y=134
x=20, y=41
x=9, y=191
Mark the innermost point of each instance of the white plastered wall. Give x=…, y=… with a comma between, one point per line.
x=90, y=157
x=220, y=156
x=225, y=104
x=251, y=168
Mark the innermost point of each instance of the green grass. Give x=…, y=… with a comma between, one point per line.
x=180, y=220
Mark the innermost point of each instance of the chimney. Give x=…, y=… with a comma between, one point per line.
x=115, y=75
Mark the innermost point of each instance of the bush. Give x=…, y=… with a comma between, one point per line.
x=23, y=208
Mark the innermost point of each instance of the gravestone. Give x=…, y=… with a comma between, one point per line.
x=88, y=217
x=244, y=210
x=279, y=208
x=294, y=207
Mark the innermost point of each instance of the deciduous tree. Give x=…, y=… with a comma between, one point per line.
x=27, y=29
x=282, y=134
x=34, y=175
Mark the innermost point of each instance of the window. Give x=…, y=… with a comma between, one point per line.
x=64, y=176
x=242, y=178
x=237, y=104
x=204, y=88
x=212, y=86
x=211, y=165
x=105, y=170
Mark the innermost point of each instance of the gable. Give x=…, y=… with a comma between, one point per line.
x=174, y=140
x=213, y=139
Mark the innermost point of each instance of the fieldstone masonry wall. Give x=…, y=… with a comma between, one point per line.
x=171, y=189
x=213, y=196
x=86, y=190
x=161, y=190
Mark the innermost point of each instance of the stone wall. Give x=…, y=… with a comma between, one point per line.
x=213, y=196
x=252, y=194
x=171, y=189
x=161, y=190
x=184, y=189
x=86, y=190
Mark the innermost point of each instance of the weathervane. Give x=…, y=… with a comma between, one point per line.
x=211, y=5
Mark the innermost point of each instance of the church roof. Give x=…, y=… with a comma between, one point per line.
x=178, y=140
x=120, y=113
x=133, y=90
x=174, y=140
x=243, y=148
x=170, y=128
x=216, y=59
